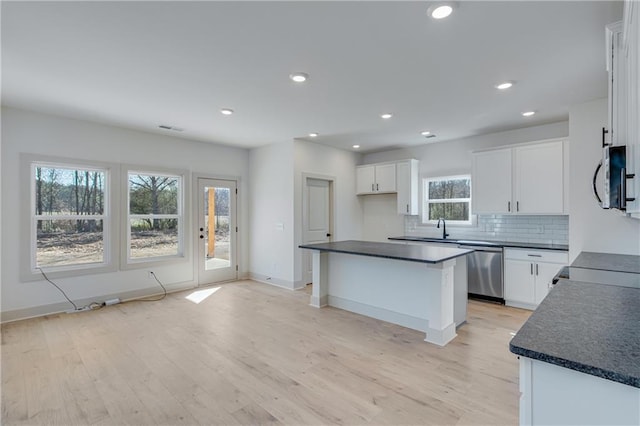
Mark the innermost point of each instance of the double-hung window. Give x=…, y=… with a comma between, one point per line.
x=448, y=198
x=155, y=218
x=69, y=217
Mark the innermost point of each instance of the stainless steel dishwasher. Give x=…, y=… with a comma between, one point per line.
x=484, y=272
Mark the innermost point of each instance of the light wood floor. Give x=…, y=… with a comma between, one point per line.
x=254, y=354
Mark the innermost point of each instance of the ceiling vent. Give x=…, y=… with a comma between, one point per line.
x=175, y=129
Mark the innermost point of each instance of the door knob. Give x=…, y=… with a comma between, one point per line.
x=201, y=236
x=201, y=229
x=328, y=235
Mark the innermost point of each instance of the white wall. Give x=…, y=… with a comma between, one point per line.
x=271, y=204
x=312, y=158
x=29, y=132
x=590, y=227
x=440, y=159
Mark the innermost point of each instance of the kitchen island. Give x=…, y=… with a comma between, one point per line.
x=408, y=285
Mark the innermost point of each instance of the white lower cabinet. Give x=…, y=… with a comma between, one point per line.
x=528, y=275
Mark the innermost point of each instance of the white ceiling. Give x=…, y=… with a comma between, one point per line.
x=142, y=64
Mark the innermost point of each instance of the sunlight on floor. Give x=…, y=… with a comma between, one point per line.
x=199, y=295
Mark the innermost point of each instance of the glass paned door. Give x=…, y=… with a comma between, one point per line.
x=216, y=231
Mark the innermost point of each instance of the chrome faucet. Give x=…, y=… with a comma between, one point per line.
x=444, y=228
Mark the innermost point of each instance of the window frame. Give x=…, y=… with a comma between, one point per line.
x=424, y=217
x=28, y=267
x=183, y=254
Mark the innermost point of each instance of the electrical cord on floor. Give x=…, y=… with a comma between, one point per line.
x=92, y=305
x=97, y=305
x=157, y=299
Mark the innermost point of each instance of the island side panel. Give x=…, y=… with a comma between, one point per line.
x=412, y=294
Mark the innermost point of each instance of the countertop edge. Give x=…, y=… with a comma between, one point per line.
x=576, y=366
x=503, y=244
x=355, y=253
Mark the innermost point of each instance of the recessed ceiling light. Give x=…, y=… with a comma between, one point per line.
x=504, y=85
x=528, y=113
x=299, y=77
x=313, y=135
x=386, y=115
x=425, y=133
x=441, y=10
x=226, y=111
x=356, y=146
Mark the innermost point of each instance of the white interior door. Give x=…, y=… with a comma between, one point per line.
x=317, y=219
x=217, y=231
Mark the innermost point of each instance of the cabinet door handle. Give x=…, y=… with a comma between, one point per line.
x=373, y=188
x=508, y=206
x=407, y=208
x=531, y=264
x=536, y=269
x=377, y=187
x=534, y=255
x=517, y=206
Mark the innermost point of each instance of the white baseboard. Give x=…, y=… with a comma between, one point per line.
x=265, y=279
x=520, y=305
x=414, y=323
x=57, y=308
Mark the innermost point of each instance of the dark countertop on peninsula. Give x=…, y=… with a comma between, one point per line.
x=587, y=327
x=489, y=243
x=407, y=252
x=608, y=262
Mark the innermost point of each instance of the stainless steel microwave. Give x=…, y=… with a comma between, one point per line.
x=614, y=160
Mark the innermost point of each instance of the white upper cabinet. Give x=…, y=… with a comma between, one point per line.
x=386, y=178
x=526, y=179
x=376, y=178
x=616, y=66
x=623, y=64
x=491, y=182
x=407, y=184
x=365, y=179
x=539, y=185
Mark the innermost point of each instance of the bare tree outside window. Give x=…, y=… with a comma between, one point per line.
x=448, y=198
x=68, y=215
x=154, y=215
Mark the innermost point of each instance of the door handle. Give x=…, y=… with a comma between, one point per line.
x=536, y=269
x=531, y=264
x=201, y=229
x=201, y=236
x=328, y=235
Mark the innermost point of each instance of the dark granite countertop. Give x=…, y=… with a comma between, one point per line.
x=485, y=243
x=411, y=253
x=608, y=262
x=587, y=327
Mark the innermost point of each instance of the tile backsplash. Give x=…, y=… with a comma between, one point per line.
x=529, y=229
